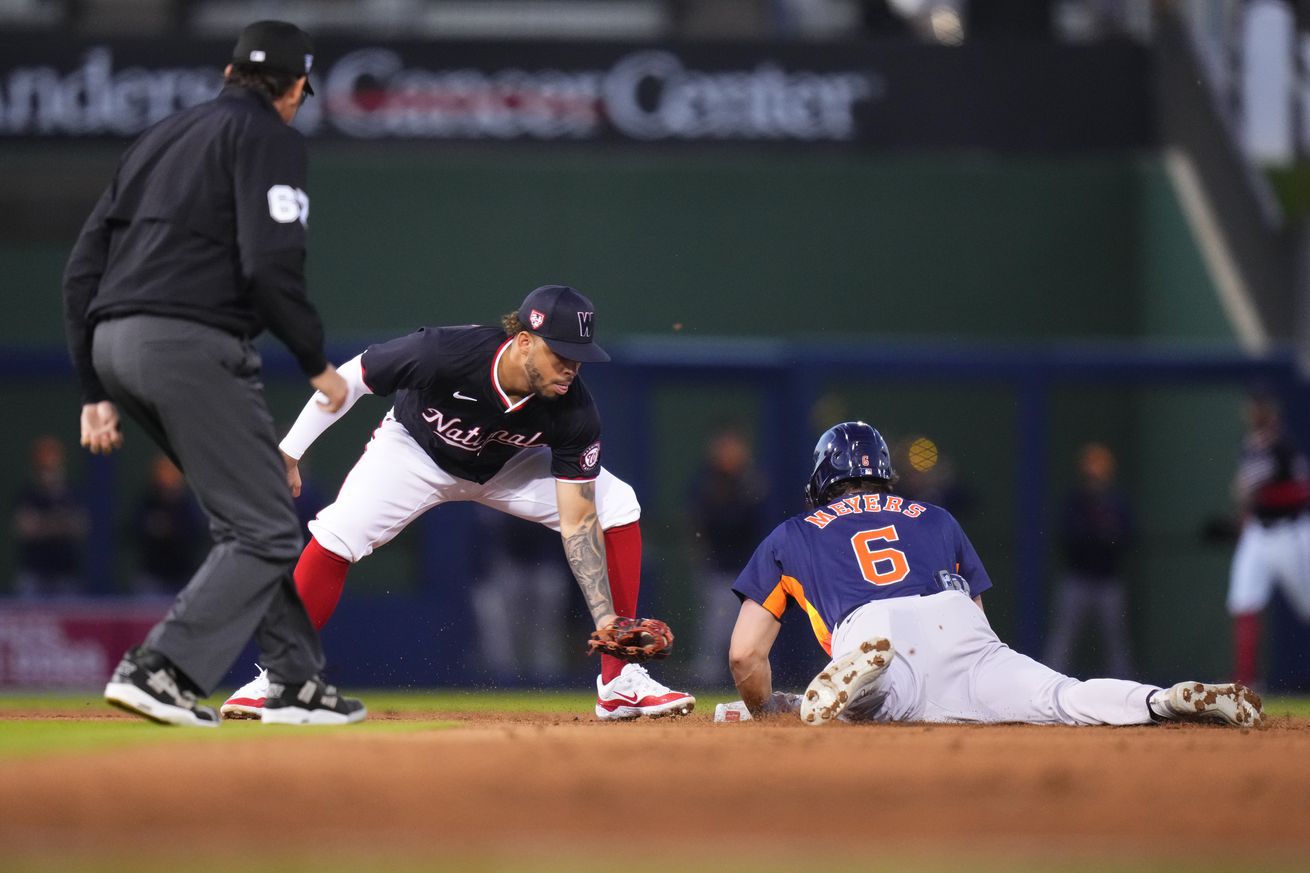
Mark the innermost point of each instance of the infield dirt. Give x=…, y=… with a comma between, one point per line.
x=501, y=781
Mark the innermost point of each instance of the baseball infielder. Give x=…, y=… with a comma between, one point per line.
x=1272, y=492
x=893, y=589
x=499, y=416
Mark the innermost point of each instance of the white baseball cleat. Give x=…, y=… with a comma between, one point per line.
x=1231, y=703
x=633, y=693
x=837, y=684
x=248, y=700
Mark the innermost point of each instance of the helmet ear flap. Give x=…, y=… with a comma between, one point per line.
x=821, y=470
x=811, y=498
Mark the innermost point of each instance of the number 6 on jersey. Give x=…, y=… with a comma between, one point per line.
x=870, y=558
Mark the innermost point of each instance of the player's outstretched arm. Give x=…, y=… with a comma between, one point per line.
x=324, y=409
x=748, y=655
x=584, y=546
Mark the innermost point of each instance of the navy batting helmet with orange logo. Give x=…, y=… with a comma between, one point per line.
x=850, y=450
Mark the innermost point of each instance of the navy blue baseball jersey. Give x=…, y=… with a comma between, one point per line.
x=1274, y=476
x=861, y=548
x=450, y=400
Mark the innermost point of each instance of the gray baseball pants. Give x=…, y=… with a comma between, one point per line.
x=197, y=391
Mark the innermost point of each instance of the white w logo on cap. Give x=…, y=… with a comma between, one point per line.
x=584, y=323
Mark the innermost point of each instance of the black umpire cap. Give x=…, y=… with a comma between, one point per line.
x=277, y=45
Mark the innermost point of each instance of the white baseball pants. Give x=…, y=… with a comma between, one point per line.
x=951, y=667
x=395, y=481
x=1278, y=554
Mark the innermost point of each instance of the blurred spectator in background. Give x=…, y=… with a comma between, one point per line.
x=1096, y=532
x=168, y=530
x=50, y=526
x=1272, y=493
x=521, y=599
x=728, y=520
x=928, y=474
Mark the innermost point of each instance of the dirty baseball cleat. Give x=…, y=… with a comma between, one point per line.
x=837, y=684
x=633, y=693
x=248, y=700
x=1231, y=703
x=146, y=683
x=310, y=702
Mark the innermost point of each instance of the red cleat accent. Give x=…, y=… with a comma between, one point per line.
x=634, y=694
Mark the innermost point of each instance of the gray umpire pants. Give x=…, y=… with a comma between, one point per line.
x=197, y=391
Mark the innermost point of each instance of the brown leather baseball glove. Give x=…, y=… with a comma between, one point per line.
x=632, y=639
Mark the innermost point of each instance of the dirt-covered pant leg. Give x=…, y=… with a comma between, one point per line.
x=1013, y=687
x=950, y=666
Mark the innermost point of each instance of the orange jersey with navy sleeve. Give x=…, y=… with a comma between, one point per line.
x=864, y=547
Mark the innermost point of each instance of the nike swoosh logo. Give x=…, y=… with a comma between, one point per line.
x=626, y=698
x=459, y=396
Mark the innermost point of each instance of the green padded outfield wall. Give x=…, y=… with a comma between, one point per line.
x=721, y=243
x=726, y=243
x=732, y=244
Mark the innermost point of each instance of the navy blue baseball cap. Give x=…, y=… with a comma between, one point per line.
x=565, y=319
x=276, y=45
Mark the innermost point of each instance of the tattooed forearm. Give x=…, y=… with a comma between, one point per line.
x=585, y=550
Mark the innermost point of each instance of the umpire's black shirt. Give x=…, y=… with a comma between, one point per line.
x=205, y=220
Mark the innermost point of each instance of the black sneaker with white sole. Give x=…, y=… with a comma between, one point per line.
x=145, y=683
x=311, y=702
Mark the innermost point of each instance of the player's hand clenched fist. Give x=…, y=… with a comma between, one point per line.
x=333, y=387
x=100, y=432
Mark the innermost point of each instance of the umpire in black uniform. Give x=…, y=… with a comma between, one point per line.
x=197, y=245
